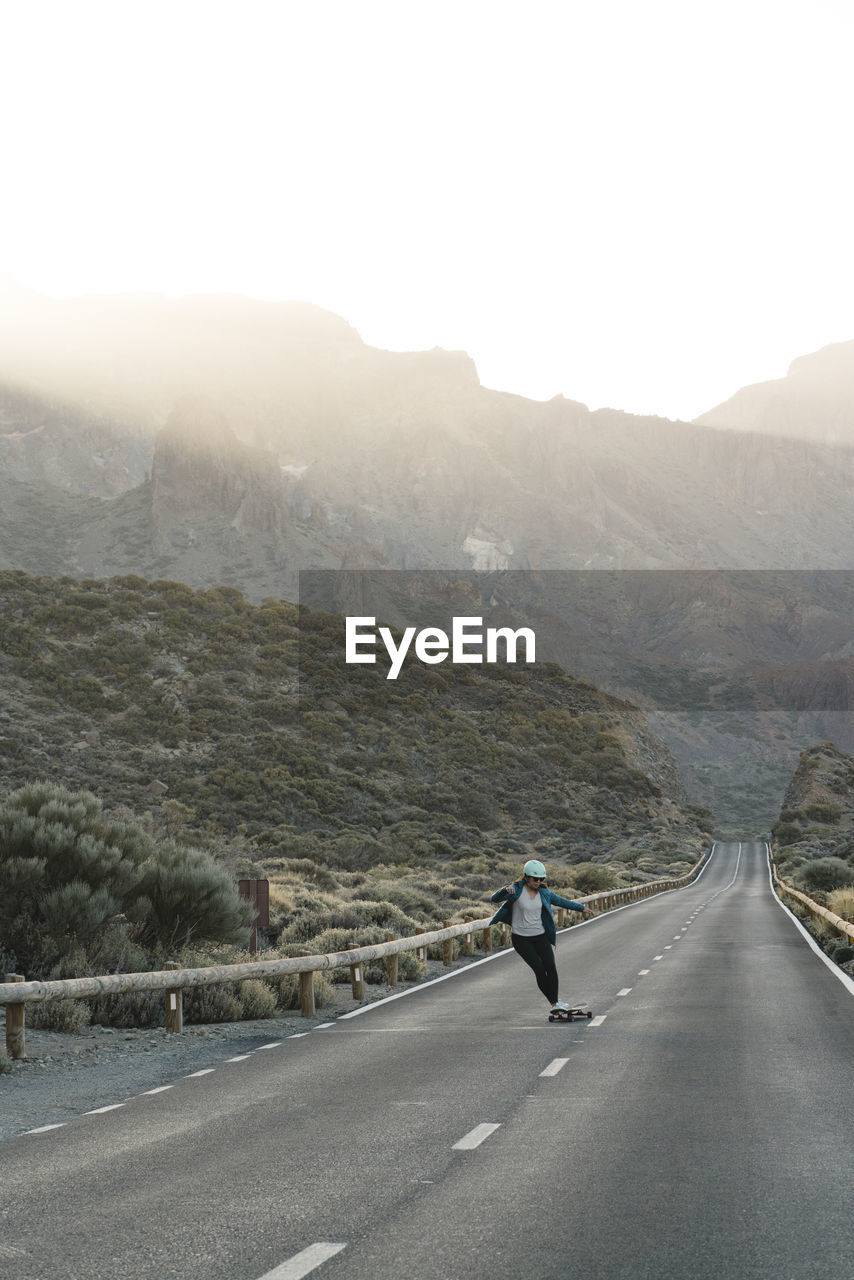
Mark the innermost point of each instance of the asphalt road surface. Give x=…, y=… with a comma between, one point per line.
x=702, y=1125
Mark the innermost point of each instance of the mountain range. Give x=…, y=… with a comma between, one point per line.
x=224, y=441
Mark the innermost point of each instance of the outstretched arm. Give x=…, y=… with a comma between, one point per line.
x=506, y=891
x=573, y=906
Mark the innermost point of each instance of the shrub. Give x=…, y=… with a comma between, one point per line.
x=185, y=896
x=286, y=988
x=590, y=877
x=128, y=1009
x=823, y=812
x=217, y=1002
x=66, y=871
x=825, y=874
x=257, y=998
x=786, y=833
x=840, y=952
x=59, y=1015
x=841, y=901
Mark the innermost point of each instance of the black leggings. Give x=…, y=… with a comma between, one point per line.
x=539, y=954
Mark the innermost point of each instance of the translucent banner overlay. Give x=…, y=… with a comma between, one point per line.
x=666, y=640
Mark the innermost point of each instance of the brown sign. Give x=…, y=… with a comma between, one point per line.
x=258, y=893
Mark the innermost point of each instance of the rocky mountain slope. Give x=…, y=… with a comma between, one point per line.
x=259, y=438
x=220, y=441
x=219, y=718
x=814, y=402
x=814, y=835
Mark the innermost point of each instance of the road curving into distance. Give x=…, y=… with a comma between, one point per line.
x=700, y=1126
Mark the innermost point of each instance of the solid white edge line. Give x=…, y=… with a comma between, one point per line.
x=499, y=955
x=556, y=1065
x=475, y=1137
x=443, y=977
x=303, y=1262
x=847, y=982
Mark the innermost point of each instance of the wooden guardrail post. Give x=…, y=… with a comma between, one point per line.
x=357, y=980
x=391, y=965
x=421, y=952
x=468, y=944
x=174, y=1003
x=486, y=939
x=15, y=1022
x=447, y=948
x=306, y=991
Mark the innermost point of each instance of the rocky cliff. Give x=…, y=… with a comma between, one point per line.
x=815, y=401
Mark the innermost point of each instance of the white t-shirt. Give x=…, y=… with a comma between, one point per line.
x=527, y=915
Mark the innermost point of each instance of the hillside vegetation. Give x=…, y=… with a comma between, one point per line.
x=814, y=838
x=815, y=831
x=369, y=806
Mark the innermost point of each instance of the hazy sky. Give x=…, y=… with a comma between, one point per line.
x=638, y=203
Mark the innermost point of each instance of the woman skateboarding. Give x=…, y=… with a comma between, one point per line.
x=526, y=906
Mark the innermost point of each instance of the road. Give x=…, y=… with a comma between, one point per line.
x=702, y=1125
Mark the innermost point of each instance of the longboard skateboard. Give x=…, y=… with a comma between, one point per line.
x=570, y=1015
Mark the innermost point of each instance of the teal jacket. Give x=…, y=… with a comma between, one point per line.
x=504, y=914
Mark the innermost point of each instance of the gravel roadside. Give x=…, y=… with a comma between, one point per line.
x=64, y=1075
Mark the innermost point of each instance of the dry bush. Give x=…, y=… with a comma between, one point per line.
x=257, y=998
x=218, y=1002
x=128, y=1009
x=286, y=988
x=59, y=1015
x=841, y=901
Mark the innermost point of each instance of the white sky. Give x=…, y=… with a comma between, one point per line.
x=639, y=203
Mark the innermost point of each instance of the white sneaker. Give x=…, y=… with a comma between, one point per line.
x=560, y=1007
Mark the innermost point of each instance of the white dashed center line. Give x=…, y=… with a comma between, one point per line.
x=625, y=991
x=556, y=1065
x=301, y=1264
x=475, y=1137
x=99, y=1111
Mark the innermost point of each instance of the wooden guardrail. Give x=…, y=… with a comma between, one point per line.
x=16, y=992
x=816, y=910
